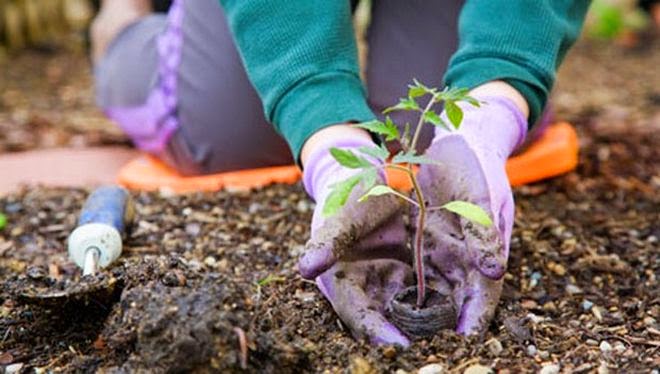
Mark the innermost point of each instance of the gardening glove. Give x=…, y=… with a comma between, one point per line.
x=465, y=259
x=372, y=230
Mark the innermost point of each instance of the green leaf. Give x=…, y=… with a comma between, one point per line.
x=3, y=221
x=415, y=91
x=270, y=278
x=469, y=211
x=454, y=113
x=369, y=177
x=339, y=194
x=387, y=128
x=380, y=152
x=406, y=104
x=412, y=158
x=349, y=159
x=433, y=118
x=472, y=101
x=377, y=191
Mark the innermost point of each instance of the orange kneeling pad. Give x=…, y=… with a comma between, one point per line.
x=552, y=154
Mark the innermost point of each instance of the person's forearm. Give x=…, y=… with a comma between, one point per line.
x=503, y=89
x=519, y=42
x=302, y=59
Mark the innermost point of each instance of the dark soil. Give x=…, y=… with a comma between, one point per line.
x=208, y=283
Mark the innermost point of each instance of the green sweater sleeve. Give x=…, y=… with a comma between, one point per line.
x=521, y=42
x=302, y=59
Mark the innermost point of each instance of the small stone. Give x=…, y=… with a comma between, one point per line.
x=495, y=347
x=603, y=369
x=550, y=306
x=534, y=279
x=573, y=289
x=478, y=369
x=13, y=368
x=431, y=359
x=431, y=369
x=591, y=342
x=210, y=261
x=544, y=355
x=400, y=371
x=619, y=347
x=549, y=369
x=529, y=304
x=389, y=352
x=605, y=347
x=531, y=350
x=586, y=305
x=361, y=366
x=534, y=318
x=174, y=278
x=556, y=268
x=193, y=229
x=649, y=321
x=597, y=313
x=36, y=272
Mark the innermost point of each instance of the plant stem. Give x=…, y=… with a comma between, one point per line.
x=419, y=241
x=418, y=128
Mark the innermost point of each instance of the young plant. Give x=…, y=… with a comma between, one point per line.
x=405, y=161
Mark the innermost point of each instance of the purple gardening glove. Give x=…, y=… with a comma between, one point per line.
x=464, y=259
x=371, y=231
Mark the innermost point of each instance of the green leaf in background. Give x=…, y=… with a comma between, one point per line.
x=340, y=193
x=379, y=152
x=453, y=94
x=412, y=158
x=377, y=191
x=387, y=128
x=349, y=159
x=474, y=102
x=406, y=104
x=415, y=91
x=469, y=211
x=454, y=113
x=3, y=221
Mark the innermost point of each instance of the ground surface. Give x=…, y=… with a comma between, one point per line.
x=201, y=272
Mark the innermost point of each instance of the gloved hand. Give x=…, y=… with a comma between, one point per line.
x=464, y=259
x=369, y=231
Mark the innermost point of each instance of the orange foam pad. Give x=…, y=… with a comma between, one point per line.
x=554, y=153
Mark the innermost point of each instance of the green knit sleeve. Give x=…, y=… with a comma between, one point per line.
x=302, y=59
x=519, y=41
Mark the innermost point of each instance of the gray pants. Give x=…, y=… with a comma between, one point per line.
x=216, y=117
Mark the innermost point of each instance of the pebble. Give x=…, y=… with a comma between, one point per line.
x=400, y=371
x=36, y=272
x=531, y=350
x=573, y=289
x=495, y=347
x=535, y=278
x=193, y=229
x=556, y=268
x=478, y=369
x=529, y=304
x=603, y=369
x=591, y=342
x=431, y=369
x=597, y=313
x=544, y=355
x=586, y=305
x=605, y=347
x=649, y=321
x=549, y=369
x=210, y=261
x=389, y=352
x=13, y=368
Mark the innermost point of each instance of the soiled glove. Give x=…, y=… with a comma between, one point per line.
x=464, y=259
x=369, y=231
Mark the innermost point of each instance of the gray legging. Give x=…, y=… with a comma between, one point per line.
x=179, y=78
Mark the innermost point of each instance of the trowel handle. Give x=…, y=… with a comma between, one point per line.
x=97, y=240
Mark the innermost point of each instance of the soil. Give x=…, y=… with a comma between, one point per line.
x=208, y=282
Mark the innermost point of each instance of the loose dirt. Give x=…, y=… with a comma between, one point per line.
x=208, y=283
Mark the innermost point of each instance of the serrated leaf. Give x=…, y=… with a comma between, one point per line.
x=387, y=128
x=339, y=195
x=347, y=158
x=432, y=118
x=454, y=113
x=377, y=191
x=474, y=102
x=406, y=104
x=412, y=158
x=416, y=91
x=469, y=211
x=379, y=152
